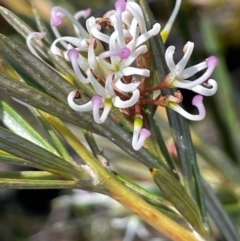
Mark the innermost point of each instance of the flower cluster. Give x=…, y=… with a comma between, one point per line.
x=107, y=61
x=179, y=78
x=111, y=55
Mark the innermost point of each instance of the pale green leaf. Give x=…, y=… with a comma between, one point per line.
x=16, y=123
x=16, y=145
x=175, y=193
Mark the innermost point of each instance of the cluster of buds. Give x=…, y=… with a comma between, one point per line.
x=111, y=55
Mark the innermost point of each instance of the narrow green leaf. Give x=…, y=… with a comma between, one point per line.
x=153, y=144
x=43, y=74
x=8, y=158
x=20, y=27
x=9, y=183
x=177, y=195
x=220, y=217
x=39, y=175
x=14, y=121
x=40, y=100
x=25, y=30
x=23, y=148
x=5, y=67
x=149, y=196
x=93, y=145
x=178, y=124
x=40, y=115
x=175, y=120
x=156, y=136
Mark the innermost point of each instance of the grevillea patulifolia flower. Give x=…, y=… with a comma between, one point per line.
x=111, y=62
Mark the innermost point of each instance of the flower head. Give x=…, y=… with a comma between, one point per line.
x=139, y=134
x=179, y=75
x=115, y=64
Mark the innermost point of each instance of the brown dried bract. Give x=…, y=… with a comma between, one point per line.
x=77, y=95
x=104, y=22
x=164, y=100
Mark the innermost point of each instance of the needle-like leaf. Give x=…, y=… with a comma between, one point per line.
x=25, y=149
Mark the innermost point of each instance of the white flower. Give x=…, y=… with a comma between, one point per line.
x=196, y=101
x=179, y=75
x=139, y=134
x=105, y=97
x=37, y=36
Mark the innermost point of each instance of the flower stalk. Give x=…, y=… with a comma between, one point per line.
x=107, y=183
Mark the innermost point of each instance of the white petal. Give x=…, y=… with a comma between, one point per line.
x=143, y=135
x=82, y=32
x=95, y=31
x=146, y=36
x=191, y=84
x=133, y=30
x=114, y=45
x=106, y=109
x=136, y=11
x=104, y=62
x=113, y=20
x=98, y=88
x=90, y=22
x=190, y=71
x=117, y=102
x=58, y=35
x=121, y=39
x=63, y=12
x=188, y=48
x=92, y=61
x=187, y=115
x=36, y=36
x=72, y=40
x=132, y=70
x=78, y=71
x=206, y=91
x=126, y=87
x=127, y=18
x=108, y=86
x=82, y=62
x=74, y=106
x=137, y=126
x=140, y=50
x=81, y=14
x=169, y=59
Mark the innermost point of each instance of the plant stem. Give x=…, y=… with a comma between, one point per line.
x=147, y=212
x=109, y=185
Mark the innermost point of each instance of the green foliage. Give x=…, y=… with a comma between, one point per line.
x=183, y=193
